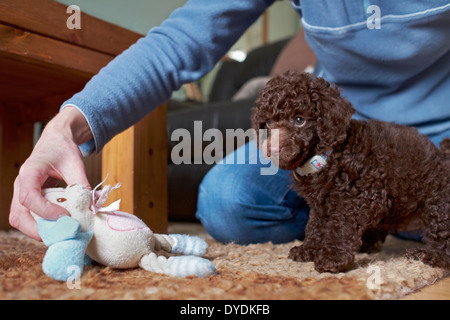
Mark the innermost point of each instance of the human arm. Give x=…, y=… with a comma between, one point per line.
x=184, y=48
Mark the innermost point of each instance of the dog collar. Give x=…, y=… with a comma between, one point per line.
x=313, y=164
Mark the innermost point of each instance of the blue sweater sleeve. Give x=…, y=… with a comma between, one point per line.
x=183, y=49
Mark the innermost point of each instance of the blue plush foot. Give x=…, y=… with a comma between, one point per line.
x=190, y=266
x=188, y=245
x=178, y=266
x=65, y=256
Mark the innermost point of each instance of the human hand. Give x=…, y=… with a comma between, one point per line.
x=55, y=157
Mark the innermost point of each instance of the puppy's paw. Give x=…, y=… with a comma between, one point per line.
x=333, y=260
x=433, y=258
x=301, y=254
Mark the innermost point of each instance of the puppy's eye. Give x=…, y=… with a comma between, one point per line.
x=268, y=123
x=61, y=200
x=299, y=121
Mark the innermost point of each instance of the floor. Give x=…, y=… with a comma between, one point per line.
x=438, y=291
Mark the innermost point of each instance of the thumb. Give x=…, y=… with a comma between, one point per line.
x=75, y=172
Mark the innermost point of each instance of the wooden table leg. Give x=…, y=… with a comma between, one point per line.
x=16, y=143
x=137, y=158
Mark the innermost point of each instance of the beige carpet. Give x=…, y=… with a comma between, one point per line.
x=260, y=271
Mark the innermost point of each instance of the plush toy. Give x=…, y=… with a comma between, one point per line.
x=112, y=238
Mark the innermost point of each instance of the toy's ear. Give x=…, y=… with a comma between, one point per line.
x=56, y=196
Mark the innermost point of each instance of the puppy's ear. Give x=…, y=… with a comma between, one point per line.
x=334, y=116
x=256, y=124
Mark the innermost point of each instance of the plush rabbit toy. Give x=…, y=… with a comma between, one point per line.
x=112, y=238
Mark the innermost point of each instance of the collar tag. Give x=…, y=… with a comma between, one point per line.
x=314, y=164
x=311, y=166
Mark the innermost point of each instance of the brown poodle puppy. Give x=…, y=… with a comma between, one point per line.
x=361, y=179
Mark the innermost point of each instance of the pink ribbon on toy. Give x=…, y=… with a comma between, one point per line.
x=97, y=205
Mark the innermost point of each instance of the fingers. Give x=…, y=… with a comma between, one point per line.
x=55, y=157
x=33, y=176
x=21, y=219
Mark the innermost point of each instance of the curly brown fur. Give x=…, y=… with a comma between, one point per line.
x=379, y=178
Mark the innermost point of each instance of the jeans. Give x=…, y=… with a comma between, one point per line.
x=238, y=204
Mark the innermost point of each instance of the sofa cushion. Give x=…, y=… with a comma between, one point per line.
x=224, y=86
x=251, y=89
x=297, y=54
x=259, y=62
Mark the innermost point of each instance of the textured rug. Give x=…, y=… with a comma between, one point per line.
x=260, y=271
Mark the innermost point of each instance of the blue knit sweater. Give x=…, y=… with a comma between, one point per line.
x=398, y=72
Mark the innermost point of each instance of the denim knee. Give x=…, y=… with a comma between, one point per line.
x=216, y=207
x=235, y=205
